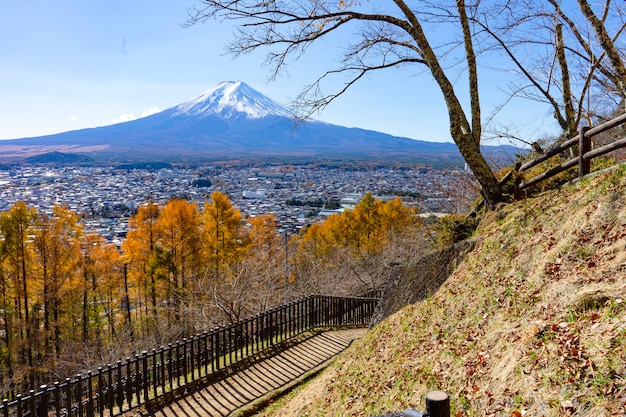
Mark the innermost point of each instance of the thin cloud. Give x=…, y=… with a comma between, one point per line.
x=73, y=118
x=132, y=116
x=150, y=111
x=124, y=118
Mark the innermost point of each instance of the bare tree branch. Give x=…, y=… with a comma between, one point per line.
x=392, y=38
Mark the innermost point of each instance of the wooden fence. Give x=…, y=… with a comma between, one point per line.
x=117, y=388
x=584, y=140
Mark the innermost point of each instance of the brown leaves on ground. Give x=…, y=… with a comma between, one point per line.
x=532, y=323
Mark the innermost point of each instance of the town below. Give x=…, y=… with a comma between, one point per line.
x=106, y=197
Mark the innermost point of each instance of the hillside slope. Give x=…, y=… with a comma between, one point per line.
x=532, y=322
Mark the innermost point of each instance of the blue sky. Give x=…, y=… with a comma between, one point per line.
x=73, y=64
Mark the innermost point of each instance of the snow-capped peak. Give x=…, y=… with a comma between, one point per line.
x=230, y=98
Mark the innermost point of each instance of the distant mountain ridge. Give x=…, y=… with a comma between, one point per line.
x=234, y=121
x=58, y=158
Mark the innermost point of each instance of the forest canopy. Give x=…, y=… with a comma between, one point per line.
x=72, y=301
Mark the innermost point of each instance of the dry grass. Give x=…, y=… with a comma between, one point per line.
x=533, y=322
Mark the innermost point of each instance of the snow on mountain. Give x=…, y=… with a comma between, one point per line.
x=234, y=121
x=230, y=98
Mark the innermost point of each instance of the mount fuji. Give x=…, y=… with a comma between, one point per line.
x=230, y=121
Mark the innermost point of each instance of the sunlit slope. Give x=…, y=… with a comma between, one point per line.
x=532, y=322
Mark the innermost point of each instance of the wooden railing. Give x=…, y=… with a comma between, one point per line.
x=582, y=160
x=117, y=388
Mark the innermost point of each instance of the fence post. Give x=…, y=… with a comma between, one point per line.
x=185, y=342
x=31, y=403
x=101, y=400
x=177, y=363
x=68, y=396
x=5, y=407
x=57, y=398
x=42, y=409
x=128, y=389
x=138, y=379
x=170, y=367
x=90, y=402
x=155, y=373
x=18, y=399
x=437, y=405
x=79, y=395
x=163, y=368
x=517, y=180
x=584, y=146
x=205, y=355
x=119, y=387
x=146, y=377
x=311, y=310
x=110, y=390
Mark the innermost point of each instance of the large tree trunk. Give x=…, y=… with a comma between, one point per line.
x=491, y=190
x=466, y=135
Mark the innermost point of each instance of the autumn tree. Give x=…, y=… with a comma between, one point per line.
x=102, y=291
x=354, y=244
x=265, y=265
x=221, y=234
x=7, y=319
x=224, y=244
x=16, y=226
x=56, y=256
x=367, y=221
x=178, y=248
x=141, y=262
x=313, y=257
x=382, y=37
